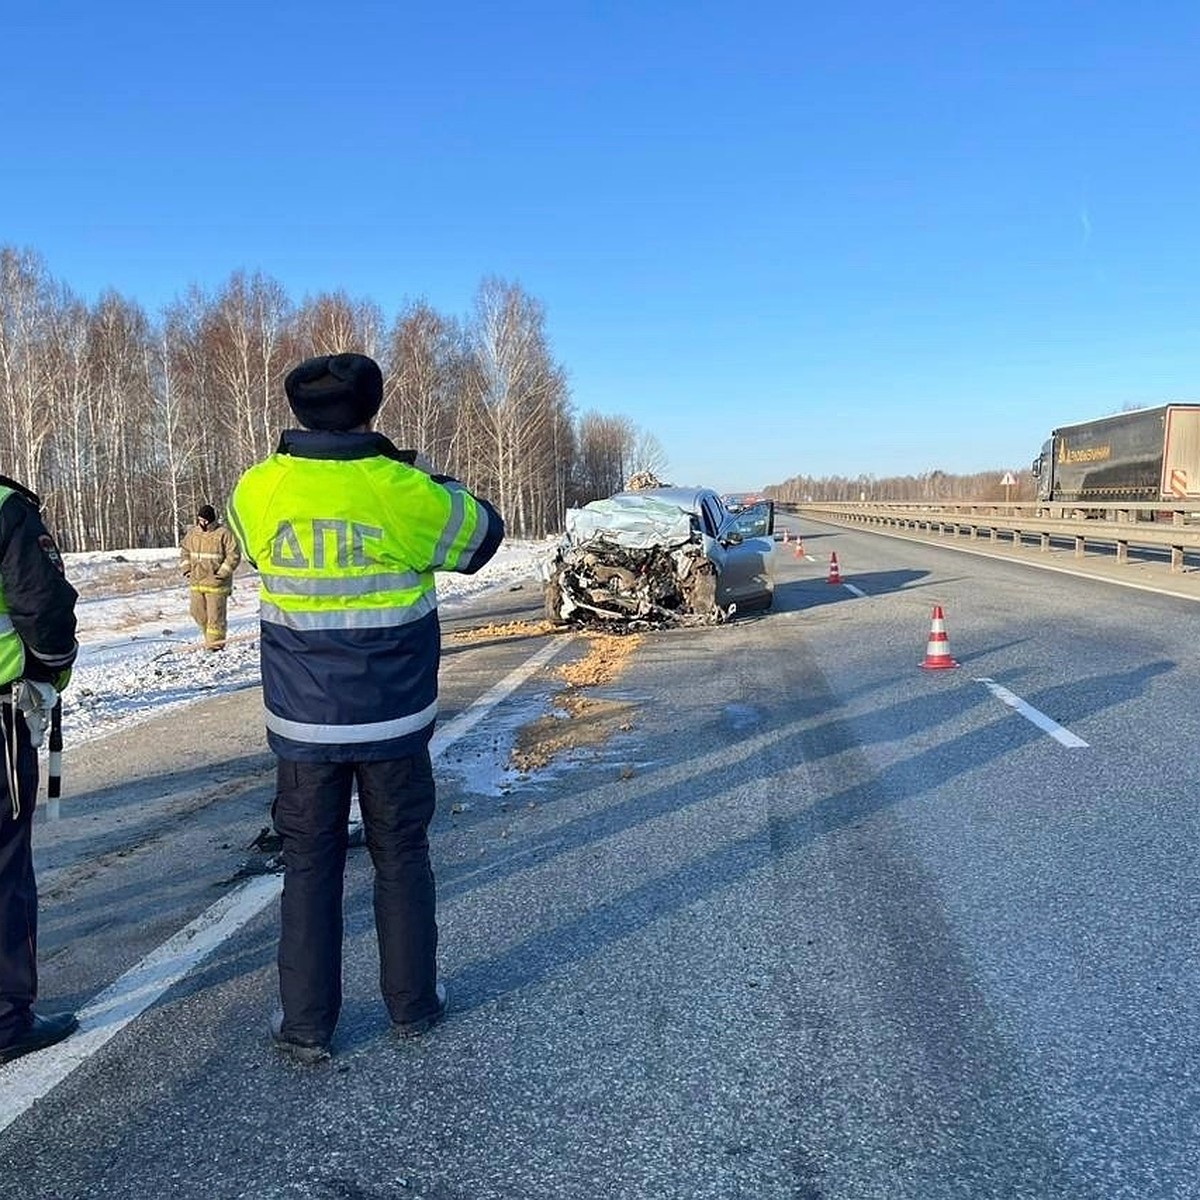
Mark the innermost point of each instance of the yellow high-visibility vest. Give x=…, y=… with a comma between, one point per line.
x=346, y=546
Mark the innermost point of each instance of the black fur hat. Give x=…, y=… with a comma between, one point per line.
x=335, y=391
x=206, y=512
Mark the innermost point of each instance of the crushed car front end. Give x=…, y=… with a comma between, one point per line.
x=635, y=561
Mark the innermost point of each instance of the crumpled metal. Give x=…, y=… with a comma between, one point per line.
x=601, y=583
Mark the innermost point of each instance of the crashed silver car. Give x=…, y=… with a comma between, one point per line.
x=661, y=556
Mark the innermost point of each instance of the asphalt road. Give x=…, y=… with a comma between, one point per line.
x=818, y=923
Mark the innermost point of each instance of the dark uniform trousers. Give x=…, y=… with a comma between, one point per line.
x=311, y=811
x=18, y=888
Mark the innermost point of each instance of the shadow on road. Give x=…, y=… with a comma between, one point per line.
x=797, y=594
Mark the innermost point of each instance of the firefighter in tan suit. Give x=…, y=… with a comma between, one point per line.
x=209, y=556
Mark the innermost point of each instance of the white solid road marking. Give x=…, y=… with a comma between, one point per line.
x=851, y=588
x=470, y=717
x=1043, y=722
x=28, y=1079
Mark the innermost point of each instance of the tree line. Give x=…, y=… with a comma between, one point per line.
x=932, y=485
x=124, y=423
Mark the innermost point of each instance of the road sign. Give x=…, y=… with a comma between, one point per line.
x=1009, y=479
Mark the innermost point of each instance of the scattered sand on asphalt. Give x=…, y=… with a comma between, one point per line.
x=605, y=660
x=507, y=629
x=580, y=720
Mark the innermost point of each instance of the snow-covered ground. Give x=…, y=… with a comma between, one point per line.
x=140, y=653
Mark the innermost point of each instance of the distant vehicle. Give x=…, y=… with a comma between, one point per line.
x=1146, y=456
x=661, y=556
x=737, y=501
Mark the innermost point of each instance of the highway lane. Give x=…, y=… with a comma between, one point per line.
x=1070, y=873
x=818, y=923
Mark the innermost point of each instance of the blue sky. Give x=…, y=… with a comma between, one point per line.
x=785, y=238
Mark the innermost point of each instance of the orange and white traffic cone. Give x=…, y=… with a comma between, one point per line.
x=835, y=575
x=937, y=651
x=800, y=549
x=786, y=539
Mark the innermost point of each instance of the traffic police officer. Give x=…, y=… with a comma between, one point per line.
x=37, y=648
x=346, y=532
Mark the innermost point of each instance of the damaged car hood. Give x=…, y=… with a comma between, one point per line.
x=629, y=523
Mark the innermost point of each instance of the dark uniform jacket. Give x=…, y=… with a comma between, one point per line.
x=346, y=533
x=40, y=602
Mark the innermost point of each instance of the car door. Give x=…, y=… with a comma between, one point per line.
x=743, y=564
x=757, y=526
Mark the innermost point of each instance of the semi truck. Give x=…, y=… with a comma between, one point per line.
x=1150, y=455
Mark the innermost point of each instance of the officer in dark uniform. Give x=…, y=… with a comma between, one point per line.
x=37, y=648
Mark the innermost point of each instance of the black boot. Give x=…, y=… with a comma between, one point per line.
x=41, y=1032
x=303, y=1050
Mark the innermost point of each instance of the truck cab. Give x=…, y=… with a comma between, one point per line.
x=1042, y=471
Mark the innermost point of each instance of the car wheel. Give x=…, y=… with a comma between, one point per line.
x=758, y=604
x=553, y=600
x=701, y=591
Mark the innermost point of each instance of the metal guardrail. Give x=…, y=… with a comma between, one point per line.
x=1031, y=523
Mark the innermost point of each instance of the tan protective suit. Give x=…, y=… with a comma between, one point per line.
x=208, y=557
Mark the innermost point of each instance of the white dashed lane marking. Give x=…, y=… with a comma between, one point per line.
x=1043, y=722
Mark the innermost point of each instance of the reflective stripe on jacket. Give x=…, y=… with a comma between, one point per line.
x=209, y=557
x=346, y=535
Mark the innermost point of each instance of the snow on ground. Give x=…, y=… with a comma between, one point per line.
x=140, y=653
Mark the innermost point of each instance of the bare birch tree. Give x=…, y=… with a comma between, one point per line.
x=648, y=454
x=605, y=459
x=26, y=382
x=119, y=359
x=249, y=338
x=73, y=470
x=187, y=417
x=332, y=323
x=521, y=393
x=424, y=385
x=177, y=429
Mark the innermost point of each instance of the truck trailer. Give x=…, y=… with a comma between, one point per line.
x=1147, y=456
